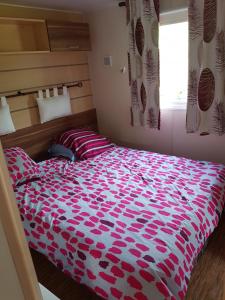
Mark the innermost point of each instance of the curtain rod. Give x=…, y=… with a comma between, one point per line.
x=30, y=92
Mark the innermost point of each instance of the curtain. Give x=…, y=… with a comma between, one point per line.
x=143, y=62
x=206, y=87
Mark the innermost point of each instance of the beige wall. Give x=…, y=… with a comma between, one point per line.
x=10, y=288
x=112, y=98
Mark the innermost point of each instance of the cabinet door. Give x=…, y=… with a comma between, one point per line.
x=68, y=36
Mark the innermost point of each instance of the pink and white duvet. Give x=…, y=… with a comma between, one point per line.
x=129, y=224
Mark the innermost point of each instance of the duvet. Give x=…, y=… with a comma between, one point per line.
x=128, y=224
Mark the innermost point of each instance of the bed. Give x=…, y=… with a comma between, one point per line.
x=129, y=224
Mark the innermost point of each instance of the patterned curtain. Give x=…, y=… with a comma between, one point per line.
x=143, y=61
x=206, y=95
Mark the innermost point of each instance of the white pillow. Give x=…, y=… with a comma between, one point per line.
x=6, y=123
x=55, y=107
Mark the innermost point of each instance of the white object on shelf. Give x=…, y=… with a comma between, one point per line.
x=46, y=294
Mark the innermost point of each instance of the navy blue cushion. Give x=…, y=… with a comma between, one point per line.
x=57, y=150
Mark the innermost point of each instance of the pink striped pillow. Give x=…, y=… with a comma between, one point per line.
x=84, y=142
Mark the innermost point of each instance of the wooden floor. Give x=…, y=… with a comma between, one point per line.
x=208, y=277
x=55, y=281
x=207, y=281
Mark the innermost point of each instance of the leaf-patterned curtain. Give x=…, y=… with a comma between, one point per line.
x=206, y=95
x=143, y=61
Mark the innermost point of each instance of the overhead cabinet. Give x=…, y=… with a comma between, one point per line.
x=68, y=36
x=19, y=35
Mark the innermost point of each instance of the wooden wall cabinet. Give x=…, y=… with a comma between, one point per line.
x=18, y=35
x=68, y=36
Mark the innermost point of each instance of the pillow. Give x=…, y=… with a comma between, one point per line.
x=57, y=150
x=84, y=142
x=21, y=167
x=53, y=107
x=6, y=123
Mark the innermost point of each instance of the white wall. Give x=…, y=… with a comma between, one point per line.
x=112, y=98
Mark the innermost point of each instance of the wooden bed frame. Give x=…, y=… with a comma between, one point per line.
x=36, y=139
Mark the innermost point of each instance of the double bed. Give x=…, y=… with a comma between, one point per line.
x=129, y=224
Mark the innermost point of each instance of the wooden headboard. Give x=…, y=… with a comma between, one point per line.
x=36, y=139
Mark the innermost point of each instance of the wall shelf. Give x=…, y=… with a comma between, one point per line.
x=22, y=36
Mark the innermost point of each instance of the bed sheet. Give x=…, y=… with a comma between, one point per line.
x=128, y=224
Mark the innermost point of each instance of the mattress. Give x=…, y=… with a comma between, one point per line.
x=128, y=224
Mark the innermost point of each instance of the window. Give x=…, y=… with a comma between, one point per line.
x=173, y=42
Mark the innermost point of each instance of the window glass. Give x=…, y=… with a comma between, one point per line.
x=173, y=39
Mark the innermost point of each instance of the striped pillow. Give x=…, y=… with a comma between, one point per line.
x=84, y=142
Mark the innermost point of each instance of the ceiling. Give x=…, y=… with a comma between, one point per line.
x=76, y=5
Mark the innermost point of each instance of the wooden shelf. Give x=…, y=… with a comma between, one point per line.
x=20, y=36
x=68, y=36
x=23, y=52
